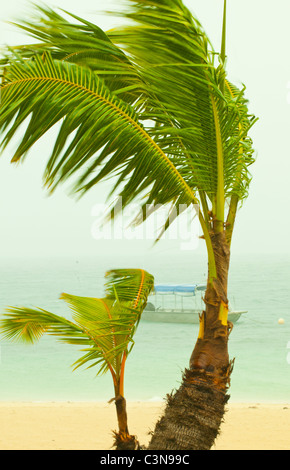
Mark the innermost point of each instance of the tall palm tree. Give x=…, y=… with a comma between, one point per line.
x=104, y=328
x=150, y=105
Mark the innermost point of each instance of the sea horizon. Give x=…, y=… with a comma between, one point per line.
x=260, y=345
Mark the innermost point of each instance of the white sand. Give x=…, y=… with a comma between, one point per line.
x=88, y=426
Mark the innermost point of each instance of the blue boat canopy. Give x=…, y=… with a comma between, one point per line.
x=180, y=289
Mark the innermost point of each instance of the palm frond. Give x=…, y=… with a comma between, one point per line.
x=177, y=62
x=73, y=39
x=106, y=135
x=103, y=327
x=108, y=322
x=129, y=285
x=147, y=104
x=29, y=325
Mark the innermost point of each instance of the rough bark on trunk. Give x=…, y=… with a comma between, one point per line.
x=194, y=413
x=122, y=439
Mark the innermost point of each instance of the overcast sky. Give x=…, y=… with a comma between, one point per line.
x=258, y=49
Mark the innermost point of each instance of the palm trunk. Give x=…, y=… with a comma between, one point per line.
x=194, y=413
x=122, y=439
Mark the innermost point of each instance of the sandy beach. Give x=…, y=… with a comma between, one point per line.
x=88, y=426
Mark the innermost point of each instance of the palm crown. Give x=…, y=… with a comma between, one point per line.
x=150, y=105
x=103, y=327
x=147, y=104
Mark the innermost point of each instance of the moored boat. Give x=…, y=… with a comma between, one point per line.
x=179, y=303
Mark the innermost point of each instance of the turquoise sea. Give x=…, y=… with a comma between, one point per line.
x=260, y=346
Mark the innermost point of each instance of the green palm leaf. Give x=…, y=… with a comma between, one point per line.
x=185, y=87
x=104, y=327
x=81, y=42
x=148, y=104
x=110, y=326
x=29, y=325
x=191, y=147
x=129, y=285
x=47, y=91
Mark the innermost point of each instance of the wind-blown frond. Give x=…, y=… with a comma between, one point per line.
x=177, y=63
x=106, y=135
x=29, y=325
x=103, y=327
x=69, y=38
x=147, y=104
x=110, y=325
x=242, y=144
x=130, y=285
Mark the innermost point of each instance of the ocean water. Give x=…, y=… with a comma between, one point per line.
x=260, y=346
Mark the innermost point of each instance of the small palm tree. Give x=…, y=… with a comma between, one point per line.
x=104, y=328
x=150, y=105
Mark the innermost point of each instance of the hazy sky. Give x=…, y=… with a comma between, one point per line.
x=258, y=49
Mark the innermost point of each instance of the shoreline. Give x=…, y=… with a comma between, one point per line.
x=89, y=425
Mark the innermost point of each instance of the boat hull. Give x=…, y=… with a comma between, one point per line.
x=181, y=316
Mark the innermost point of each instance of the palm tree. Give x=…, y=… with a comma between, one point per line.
x=104, y=328
x=150, y=105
